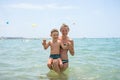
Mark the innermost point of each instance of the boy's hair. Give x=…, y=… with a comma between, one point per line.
x=64, y=25
x=54, y=30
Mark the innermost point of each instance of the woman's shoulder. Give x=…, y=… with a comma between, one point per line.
x=70, y=39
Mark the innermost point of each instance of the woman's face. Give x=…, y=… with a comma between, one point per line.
x=64, y=31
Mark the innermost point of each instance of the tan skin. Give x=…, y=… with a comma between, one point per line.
x=64, y=52
x=54, y=49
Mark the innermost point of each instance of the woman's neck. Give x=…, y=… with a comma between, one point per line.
x=64, y=37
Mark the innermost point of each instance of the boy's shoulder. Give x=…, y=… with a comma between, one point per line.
x=60, y=38
x=59, y=41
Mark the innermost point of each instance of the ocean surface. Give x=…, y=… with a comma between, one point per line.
x=94, y=59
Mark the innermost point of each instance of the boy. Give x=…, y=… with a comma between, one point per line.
x=55, y=45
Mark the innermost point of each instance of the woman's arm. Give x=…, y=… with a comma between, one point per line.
x=71, y=47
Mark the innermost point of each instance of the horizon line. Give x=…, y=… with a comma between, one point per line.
x=46, y=37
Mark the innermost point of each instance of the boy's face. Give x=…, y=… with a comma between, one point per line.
x=55, y=35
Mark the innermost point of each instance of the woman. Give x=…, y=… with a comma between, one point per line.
x=64, y=29
x=65, y=40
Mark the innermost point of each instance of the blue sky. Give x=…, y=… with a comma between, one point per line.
x=35, y=18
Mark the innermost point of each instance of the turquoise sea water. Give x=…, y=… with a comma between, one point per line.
x=95, y=59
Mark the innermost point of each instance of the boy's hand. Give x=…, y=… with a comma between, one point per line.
x=66, y=45
x=44, y=42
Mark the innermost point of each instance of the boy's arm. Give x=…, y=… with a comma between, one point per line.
x=45, y=45
x=71, y=47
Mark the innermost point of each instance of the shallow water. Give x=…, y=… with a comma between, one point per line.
x=95, y=59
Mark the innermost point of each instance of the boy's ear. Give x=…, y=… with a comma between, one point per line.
x=50, y=35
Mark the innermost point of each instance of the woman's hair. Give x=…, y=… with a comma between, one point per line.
x=64, y=25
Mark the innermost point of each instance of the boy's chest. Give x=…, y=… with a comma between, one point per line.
x=55, y=45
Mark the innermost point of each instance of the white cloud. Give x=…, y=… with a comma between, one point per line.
x=40, y=7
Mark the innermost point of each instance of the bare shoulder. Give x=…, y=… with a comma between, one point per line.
x=70, y=39
x=60, y=38
x=59, y=41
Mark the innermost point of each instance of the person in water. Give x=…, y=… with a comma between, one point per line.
x=54, y=50
x=64, y=39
